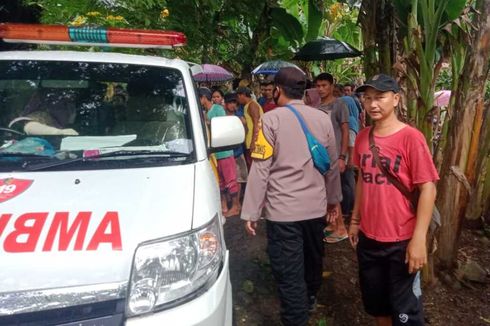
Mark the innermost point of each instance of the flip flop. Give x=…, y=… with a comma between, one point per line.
x=327, y=233
x=335, y=238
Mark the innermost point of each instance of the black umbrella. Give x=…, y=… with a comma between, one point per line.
x=326, y=48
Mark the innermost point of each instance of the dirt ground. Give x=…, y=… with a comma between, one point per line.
x=255, y=301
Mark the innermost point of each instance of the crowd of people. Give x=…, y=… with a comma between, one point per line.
x=303, y=209
x=242, y=102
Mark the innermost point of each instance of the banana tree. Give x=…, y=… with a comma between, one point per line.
x=480, y=199
x=333, y=19
x=422, y=53
x=436, y=31
x=377, y=21
x=458, y=171
x=310, y=15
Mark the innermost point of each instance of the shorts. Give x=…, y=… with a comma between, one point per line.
x=352, y=138
x=386, y=286
x=227, y=175
x=241, y=169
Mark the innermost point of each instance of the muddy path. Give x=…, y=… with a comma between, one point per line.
x=255, y=301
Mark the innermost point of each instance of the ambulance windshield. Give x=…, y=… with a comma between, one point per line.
x=53, y=111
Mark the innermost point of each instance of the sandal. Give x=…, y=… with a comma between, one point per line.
x=327, y=232
x=335, y=238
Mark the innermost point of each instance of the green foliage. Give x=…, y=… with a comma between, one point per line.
x=289, y=27
x=444, y=80
x=315, y=17
x=235, y=34
x=346, y=70
x=328, y=18
x=454, y=9
x=322, y=322
x=423, y=49
x=63, y=11
x=348, y=30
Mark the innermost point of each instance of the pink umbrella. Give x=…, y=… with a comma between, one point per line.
x=441, y=98
x=213, y=73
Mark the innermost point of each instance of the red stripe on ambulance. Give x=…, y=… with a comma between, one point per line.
x=28, y=227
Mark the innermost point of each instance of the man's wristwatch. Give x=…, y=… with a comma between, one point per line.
x=342, y=157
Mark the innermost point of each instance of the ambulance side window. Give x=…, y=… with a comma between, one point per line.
x=206, y=131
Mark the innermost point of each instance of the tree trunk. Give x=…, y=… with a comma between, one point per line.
x=262, y=28
x=367, y=20
x=480, y=198
x=460, y=154
x=386, y=36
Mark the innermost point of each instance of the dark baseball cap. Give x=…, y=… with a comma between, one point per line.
x=290, y=77
x=380, y=82
x=230, y=97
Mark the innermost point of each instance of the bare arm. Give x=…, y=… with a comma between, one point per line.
x=356, y=215
x=332, y=177
x=416, y=256
x=344, y=143
x=356, y=211
x=254, y=112
x=37, y=128
x=244, y=122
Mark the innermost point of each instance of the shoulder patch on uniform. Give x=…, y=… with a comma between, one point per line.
x=263, y=150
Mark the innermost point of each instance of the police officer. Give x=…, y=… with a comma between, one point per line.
x=287, y=190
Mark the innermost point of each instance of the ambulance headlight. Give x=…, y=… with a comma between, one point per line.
x=174, y=270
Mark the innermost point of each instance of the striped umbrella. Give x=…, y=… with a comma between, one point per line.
x=213, y=73
x=441, y=98
x=272, y=67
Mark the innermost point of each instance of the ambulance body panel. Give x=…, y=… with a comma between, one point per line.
x=120, y=223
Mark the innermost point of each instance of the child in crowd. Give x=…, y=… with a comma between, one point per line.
x=226, y=161
x=232, y=108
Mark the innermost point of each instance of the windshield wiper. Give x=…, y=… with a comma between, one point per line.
x=19, y=154
x=43, y=166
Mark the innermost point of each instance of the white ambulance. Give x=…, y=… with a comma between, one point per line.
x=109, y=206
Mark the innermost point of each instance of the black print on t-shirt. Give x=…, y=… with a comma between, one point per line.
x=379, y=178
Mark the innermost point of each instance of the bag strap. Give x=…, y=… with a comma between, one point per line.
x=375, y=150
x=300, y=119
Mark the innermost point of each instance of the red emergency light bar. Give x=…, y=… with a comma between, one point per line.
x=78, y=35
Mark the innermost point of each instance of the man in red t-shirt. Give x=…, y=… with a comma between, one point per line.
x=389, y=236
x=266, y=101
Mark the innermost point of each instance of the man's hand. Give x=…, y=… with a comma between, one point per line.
x=332, y=212
x=416, y=256
x=250, y=227
x=354, y=234
x=341, y=165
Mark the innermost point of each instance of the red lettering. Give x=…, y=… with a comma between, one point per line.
x=33, y=232
x=114, y=237
x=4, y=219
x=66, y=234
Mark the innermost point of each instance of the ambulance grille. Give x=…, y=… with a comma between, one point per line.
x=100, y=313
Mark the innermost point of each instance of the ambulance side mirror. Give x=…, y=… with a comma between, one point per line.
x=226, y=133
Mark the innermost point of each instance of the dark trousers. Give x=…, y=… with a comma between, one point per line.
x=296, y=255
x=348, y=182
